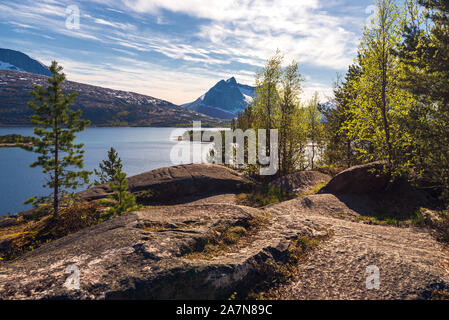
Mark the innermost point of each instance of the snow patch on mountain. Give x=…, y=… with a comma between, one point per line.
x=8, y=66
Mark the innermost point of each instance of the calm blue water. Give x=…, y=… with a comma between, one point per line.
x=141, y=149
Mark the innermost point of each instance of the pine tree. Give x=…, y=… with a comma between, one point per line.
x=56, y=125
x=109, y=167
x=425, y=52
x=124, y=199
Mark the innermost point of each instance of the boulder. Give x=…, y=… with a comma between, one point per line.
x=362, y=179
x=178, y=181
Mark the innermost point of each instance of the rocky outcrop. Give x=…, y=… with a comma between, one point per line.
x=173, y=253
x=301, y=181
x=177, y=182
x=411, y=263
x=150, y=254
x=156, y=254
x=360, y=179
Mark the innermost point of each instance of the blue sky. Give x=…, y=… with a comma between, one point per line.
x=177, y=49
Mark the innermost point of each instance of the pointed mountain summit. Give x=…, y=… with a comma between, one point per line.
x=224, y=100
x=18, y=61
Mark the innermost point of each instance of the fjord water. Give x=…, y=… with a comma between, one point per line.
x=141, y=150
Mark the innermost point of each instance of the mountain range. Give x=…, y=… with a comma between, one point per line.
x=19, y=61
x=224, y=100
x=102, y=106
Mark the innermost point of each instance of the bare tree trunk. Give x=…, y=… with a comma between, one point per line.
x=56, y=186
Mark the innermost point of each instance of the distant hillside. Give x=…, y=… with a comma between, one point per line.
x=224, y=100
x=102, y=106
x=18, y=61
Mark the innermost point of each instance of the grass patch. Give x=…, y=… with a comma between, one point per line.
x=314, y=190
x=261, y=196
x=224, y=239
x=414, y=219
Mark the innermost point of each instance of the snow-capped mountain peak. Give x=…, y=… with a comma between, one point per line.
x=224, y=100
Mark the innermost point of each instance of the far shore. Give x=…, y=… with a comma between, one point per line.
x=13, y=145
x=181, y=126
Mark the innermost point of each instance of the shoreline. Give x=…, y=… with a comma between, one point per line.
x=14, y=145
x=181, y=126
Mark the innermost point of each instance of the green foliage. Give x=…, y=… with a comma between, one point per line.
x=339, y=148
x=245, y=119
x=56, y=126
x=424, y=53
x=109, y=167
x=292, y=121
x=124, y=201
x=394, y=102
x=376, y=111
x=266, y=103
x=277, y=105
x=314, y=128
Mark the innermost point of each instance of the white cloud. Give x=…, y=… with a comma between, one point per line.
x=239, y=31
x=253, y=29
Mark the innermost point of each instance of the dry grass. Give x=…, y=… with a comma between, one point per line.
x=229, y=238
x=28, y=234
x=262, y=196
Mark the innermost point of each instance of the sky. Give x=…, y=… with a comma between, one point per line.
x=177, y=49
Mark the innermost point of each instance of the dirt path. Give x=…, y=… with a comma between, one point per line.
x=411, y=262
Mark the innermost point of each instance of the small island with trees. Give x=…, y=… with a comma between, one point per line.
x=16, y=140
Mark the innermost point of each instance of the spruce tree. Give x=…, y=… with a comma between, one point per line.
x=56, y=126
x=109, y=167
x=124, y=199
